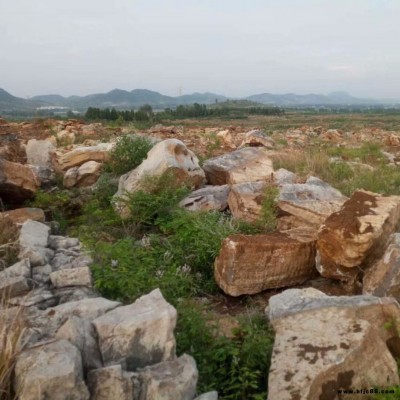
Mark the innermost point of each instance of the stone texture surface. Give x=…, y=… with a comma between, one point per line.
x=256, y=138
x=324, y=344
x=168, y=156
x=245, y=200
x=208, y=396
x=21, y=215
x=81, y=333
x=169, y=380
x=307, y=204
x=357, y=235
x=111, y=383
x=51, y=371
x=207, y=199
x=383, y=277
x=17, y=182
x=83, y=176
x=38, y=152
x=34, y=234
x=139, y=334
x=81, y=155
x=249, y=264
x=71, y=277
x=244, y=165
x=15, y=279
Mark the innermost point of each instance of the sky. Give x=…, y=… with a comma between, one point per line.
x=231, y=47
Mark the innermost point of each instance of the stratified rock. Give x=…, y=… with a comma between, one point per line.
x=324, y=344
x=169, y=380
x=244, y=165
x=168, y=156
x=245, y=200
x=15, y=279
x=83, y=176
x=81, y=155
x=71, y=277
x=357, y=235
x=81, y=333
x=139, y=334
x=258, y=138
x=50, y=371
x=249, y=264
x=111, y=383
x=383, y=277
x=21, y=215
x=307, y=204
x=17, y=182
x=38, y=152
x=207, y=199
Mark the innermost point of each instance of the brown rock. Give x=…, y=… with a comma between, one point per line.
x=383, y=277
x=324, y=344
x=249, y=164
x=245, y=200
x=20, y=215
x=83, y=176
x=356, y=236
x=249, y=264
x=17, y=181
x=81, y=155
x=258, y=138
x=307, y=204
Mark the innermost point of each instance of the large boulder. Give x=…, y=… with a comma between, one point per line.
x=257, y=138
x=111, y=383
x=81, y=155
x=245, y=200
x=353, y=238
x=21, y=215
x=85, y=175
x=139, y=334
x=324, y=344
x=50, y=371
x=249, y=264
x=168, y=156
x=17, y=182
x=383, y=277
x=307, y=204
x=169, y=380
x=248, y=164
x=38, y=152
x=207, y=199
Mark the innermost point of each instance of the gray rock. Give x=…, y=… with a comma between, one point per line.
x=37, y=255
x=50, y=371
x=207, y=198
x=169, y=380
x=81, y=333
x=69, y=294
x=41, y=274
x=40, y=297
x=111, y=383
x=84, y=260
x=139, y=334
x=46, y=175
x=257, y=137
x=38, y=152
x=15, y=279
x=208, y=396
x=61, y=261
x=33, y=234
x=61, y=242
x=282, y=176
x=71, y=277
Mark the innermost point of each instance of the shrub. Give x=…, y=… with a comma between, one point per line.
x=269, y=211
x=237, y=367
x=128, y=153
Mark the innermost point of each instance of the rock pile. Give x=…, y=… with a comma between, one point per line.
x=80, y=345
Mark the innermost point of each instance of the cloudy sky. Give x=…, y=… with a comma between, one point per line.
x=232, y=47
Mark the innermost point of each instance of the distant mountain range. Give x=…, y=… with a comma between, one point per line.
x=122, y=99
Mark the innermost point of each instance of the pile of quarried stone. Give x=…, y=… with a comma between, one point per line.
x=79, y=345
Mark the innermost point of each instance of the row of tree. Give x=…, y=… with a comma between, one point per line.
x=143, y=114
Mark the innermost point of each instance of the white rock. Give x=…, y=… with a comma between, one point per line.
x=34, y=234
x=38, y=152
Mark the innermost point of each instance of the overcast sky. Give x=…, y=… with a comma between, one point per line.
x=231, y=47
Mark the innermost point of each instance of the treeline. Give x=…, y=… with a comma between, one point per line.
x=145, y=113
x=201, y=110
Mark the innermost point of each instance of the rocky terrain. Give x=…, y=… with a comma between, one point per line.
x=318, y=247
